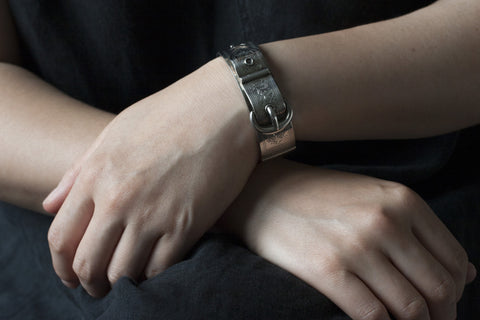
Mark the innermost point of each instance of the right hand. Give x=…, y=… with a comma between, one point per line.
x=153, y=183
x=369, y=245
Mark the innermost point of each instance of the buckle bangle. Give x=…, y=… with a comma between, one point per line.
x=270, y=114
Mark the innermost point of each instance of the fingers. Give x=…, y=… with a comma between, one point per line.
x=55, y=199
x=106, y=254
x=392, y=288
x=351, y=295
x=438, y=240
x=167, y=251
x=65, y=234
x=94, y=250
x=53, y=202
x=131, y=255
x=428, y=275
x=94, y=253
x=471, y=273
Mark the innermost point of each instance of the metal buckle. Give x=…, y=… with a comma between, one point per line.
x=270, y=115
x=276, y=125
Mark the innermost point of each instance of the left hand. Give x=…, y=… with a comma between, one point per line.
x=371, y=246
x=159, y=176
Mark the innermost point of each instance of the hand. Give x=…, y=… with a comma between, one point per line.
x=159, y=175
x=367, y=244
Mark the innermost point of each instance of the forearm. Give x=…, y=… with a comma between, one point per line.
x=42, y=132
x=414, y=76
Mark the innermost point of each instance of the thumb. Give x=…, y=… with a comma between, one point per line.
x=53, y=202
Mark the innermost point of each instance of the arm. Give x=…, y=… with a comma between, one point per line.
x=367, y=244
x=42, y=131
x=395, y=77
x=163, y=183
x=402, y=74
x=414, y=76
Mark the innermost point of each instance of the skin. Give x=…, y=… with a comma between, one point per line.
x=60, y=128
x=369, y=245
x=54, y=121
x=155, y=213
x=362, y=61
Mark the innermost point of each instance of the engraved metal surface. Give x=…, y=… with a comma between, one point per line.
x=269, y=113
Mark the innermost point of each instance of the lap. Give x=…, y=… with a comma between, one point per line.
x=219, y=280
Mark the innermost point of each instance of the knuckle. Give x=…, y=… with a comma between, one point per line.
x=88, y=176
x=356, y=249
x=111, y=203
x=415, y=309
x=117, y=197
x=85, y=272
x=403, y=197
x=373, y=311
x=380, y=221
x=383, y=219
x=461, y=259
x=332, y=267
x=117, y=271
x=114, y=276
x=185, y=221
x=144, y=222
x=57, y=241
x=402, y=193
x=445, y=292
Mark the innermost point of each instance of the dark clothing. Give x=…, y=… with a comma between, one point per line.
x=111, y=53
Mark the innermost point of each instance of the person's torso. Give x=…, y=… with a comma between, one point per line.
x=111, y=53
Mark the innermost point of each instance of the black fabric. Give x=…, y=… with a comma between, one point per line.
x=220, y=279
x=111, y=53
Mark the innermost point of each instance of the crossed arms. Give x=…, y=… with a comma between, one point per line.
x=378, y=81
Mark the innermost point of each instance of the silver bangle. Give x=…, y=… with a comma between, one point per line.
x=270, y=114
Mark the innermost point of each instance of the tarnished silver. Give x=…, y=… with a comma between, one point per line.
x=269, y=113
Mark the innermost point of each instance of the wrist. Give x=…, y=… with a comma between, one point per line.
x=250, y=214
x=229, y=111
x=270, y=114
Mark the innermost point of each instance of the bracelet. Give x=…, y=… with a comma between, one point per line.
x=270, y=114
